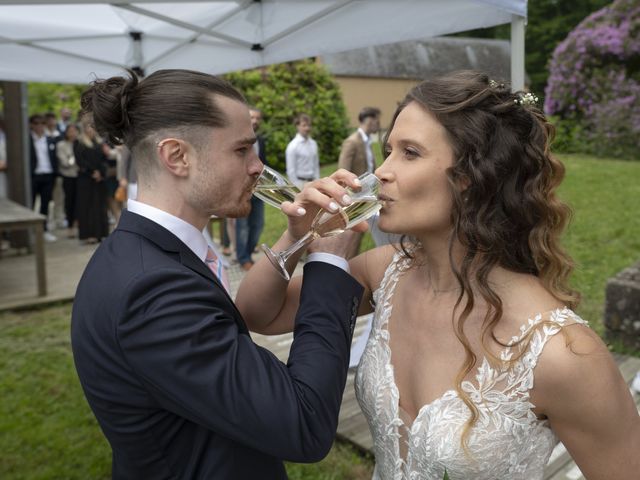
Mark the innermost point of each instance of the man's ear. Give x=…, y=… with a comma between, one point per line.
x=174, y=155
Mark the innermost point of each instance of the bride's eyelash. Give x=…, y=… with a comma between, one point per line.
x=410, y=153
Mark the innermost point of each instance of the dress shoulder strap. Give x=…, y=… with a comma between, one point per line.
x=398, y=264
x=540, y=328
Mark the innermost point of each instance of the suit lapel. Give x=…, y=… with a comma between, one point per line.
x=168, y=242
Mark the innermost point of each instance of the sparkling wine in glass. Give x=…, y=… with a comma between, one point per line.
x=326, y=224
x=274, y=188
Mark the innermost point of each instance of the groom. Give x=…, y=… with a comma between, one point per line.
x=163, y=355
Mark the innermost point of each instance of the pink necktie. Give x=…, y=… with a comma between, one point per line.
x=215, y=265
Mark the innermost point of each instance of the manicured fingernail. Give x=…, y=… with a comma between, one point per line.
x=346, y=199
x=357, y=182
x=301, y=211
x=333, y=206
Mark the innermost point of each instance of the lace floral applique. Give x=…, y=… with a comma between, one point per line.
x=508, y=441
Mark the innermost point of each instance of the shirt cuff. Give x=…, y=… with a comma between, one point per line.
x=330, y=258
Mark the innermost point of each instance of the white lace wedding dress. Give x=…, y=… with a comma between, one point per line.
x=507, y=442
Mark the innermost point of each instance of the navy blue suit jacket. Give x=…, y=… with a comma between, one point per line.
x=177, y=385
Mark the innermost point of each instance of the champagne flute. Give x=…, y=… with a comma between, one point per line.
x=274, y=188
x=325, y=224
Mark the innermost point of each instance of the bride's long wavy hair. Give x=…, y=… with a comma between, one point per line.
x=505, y=211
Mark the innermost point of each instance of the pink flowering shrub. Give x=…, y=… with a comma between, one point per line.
x=594, y=82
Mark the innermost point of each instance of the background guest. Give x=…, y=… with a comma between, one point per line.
x=44, y=168
x=248, y=229
x=93, y=222
x=69, y=174
x=303, y=163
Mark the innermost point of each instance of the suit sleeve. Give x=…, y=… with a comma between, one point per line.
x=347, y=154
x=178, y=335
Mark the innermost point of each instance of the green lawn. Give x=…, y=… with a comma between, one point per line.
x=46, y=428
x=48, y=432
x=604, y=235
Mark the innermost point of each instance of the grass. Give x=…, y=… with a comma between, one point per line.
x=48, y=432
x=604, y=236
x=46, y=428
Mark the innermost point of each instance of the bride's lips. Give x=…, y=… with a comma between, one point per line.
x=385, y=200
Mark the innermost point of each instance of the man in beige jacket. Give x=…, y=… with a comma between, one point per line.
x=356, y=154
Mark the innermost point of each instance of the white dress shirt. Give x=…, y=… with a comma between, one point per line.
x=302, y=158
x=187, y=233
x=195, y=240
x=41, y=147
x=367, y=147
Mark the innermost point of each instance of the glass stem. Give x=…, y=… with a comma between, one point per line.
x=302, y=242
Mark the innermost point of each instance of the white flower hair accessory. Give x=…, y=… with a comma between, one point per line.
x=526, y=99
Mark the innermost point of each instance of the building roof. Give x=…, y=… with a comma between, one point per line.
x=423, y=58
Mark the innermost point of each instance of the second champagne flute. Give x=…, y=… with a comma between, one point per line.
x=325, y=224
x=274, y=188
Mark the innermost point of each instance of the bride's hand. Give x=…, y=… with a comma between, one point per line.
x=328, y=193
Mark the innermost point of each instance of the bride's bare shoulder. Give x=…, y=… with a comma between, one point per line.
x=369, y=267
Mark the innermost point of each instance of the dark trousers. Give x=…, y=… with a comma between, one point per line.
x=226, y=241
x=42, y=186
x=248, y=230
x=69, y=185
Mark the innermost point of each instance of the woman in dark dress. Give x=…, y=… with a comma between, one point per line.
x=93, y=223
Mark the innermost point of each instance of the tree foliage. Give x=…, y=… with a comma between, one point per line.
x=595, y=80
x=548, y=23
x=52, y=97
x=284, y=90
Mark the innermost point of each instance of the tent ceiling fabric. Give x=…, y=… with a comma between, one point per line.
x=77, y=41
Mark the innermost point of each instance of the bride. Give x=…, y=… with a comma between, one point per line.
x=476, y=362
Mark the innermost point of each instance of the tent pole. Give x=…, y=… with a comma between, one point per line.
x=17, y=133
x=517, y=52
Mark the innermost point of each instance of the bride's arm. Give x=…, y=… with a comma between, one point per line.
x=582, y=392
x=269, y=304
x=266, y=300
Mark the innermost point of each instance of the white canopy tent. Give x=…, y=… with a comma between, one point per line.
x=76, y=41
x=73, y=41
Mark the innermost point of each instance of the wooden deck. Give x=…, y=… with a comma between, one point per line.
x=66, y=260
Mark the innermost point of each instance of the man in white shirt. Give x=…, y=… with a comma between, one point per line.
x=44, y=167
x=303, y=163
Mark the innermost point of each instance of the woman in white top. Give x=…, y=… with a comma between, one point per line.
x=69, y=171
x=476, y=362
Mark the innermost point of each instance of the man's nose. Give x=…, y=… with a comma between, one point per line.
x=256, y=165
